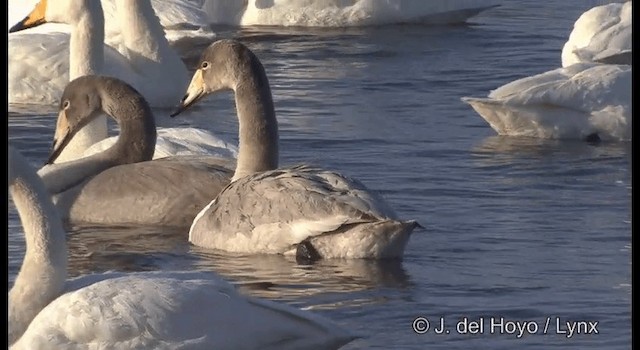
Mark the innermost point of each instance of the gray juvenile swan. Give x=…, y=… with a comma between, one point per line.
x=121, y=185
x=305, y=211
x=148, y=310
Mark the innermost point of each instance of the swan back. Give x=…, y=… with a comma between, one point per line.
x=274, y=211
x=601, y=34
x=44, y=271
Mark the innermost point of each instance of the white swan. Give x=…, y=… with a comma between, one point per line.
x=601, y=34
x=309, y=212
x=341, y=13
x=120, y=186
x=40, y=65
x=181, y=19
x=149, y=310
x=583, y=101
x=143, y=57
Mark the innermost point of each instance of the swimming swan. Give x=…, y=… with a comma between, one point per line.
x=309, y=212
x=40, y=68
x=342, y=13
x=120, y=186
x=601, y=34
x=586, y=101
x=148, y=310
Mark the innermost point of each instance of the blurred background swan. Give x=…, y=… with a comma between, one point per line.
x=40, y=66
x=341, y=13
x=181, y=19
x=585, y=99
x=192, y=18
x=197, y=310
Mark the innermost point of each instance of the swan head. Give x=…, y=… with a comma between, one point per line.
x=62, y=11
x=222, y=66
x=80, y=103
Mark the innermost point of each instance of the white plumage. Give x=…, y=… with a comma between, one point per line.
x=148, y=310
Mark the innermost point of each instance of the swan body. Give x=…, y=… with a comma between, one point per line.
x=575, y=102
x=341, y=13
x=302, y=211
x=305, y=211
x=148, y=310
x=601, y=34
x=121, y=185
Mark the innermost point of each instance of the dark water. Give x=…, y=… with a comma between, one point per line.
x=521, y=230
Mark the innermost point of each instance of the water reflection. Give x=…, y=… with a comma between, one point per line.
x=501, y=150
x=99, y=249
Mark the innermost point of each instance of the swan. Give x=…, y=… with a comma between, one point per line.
x=181, y=20
x=147, y=310
x=588, y=101
x=306, y=211
x=341, y=13
x=588, y=98
x=121, y=185
x=40, y=65
x=601, y=34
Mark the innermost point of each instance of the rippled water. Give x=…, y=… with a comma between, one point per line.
x=524, y=229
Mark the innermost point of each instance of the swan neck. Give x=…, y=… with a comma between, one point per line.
x=142, y=32
x=136, y=143
x=258, y=127
x=86, y=47
x=137, y=139
x=86, y=57
x=44, y=269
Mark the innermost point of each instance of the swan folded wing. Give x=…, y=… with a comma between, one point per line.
x=600, y=29
x=178, y=142
x=169, y=310
x=571, y=102
x=168, y=192
x=38, y=67
x=580, y=87
x=272, y=211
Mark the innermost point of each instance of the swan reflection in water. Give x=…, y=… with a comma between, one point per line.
x=97, y=249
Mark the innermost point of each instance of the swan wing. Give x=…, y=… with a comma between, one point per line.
x=168, y=191
x=39, y=67
x=271, y=211
x=601, y=34
x=179, y=141
x=172, y=310
x=570, y=102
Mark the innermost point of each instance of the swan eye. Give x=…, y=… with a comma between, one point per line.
x=204, y=65
x=65, y=104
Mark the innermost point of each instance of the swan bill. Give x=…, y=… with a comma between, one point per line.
x=33, y=19
x=195, y=91
x=62, y=136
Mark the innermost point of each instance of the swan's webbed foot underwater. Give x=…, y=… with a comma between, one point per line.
x=306, y=253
